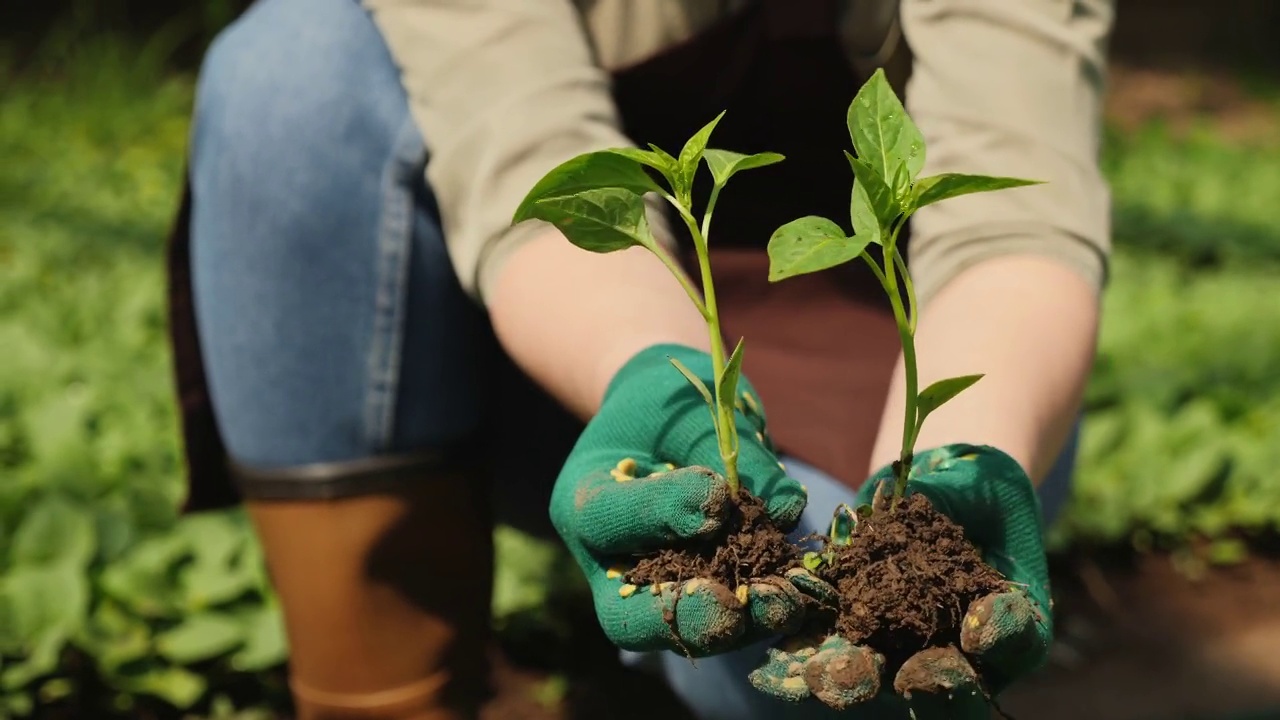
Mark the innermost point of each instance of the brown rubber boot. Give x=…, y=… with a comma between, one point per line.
x=386, y=596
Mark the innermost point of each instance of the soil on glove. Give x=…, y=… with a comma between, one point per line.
x=905, y=581
x=749, y=547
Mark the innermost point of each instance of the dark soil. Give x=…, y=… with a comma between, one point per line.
x=750, y=548
x=905, y=581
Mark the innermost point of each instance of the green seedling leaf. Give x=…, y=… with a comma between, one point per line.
x=812, y=561
x=864, y=511
x=201, y=637
x=590, y=171
x=872, y=207
x=934, y=396
x=901, y=183
x=843, y=523
x=650, y=158
x=691, y=155
x=727, y=386
x=667, y=157
x=810, y=244
x=655, y=158
x=883, y=135
x=603, y=220
x=695, y=381
x=724, y=164
x=937, y=188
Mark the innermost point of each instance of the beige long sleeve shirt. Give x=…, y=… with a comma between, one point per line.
x=505, y=90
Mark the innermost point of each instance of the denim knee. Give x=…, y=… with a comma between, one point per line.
x=319, y=270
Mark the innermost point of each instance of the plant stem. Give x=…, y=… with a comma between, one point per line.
x=668, y=260
x=726, y=425
x=906, y=332
x=913, y=310
x=706, y=216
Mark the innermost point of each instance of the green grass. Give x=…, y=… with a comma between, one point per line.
x=1182, y=437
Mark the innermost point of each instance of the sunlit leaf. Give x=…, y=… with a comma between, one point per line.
x=872, y=208
x=605, y=169
x=603, y=220
x=727, y=385
x=176, y=686
x=201, y=637
x=810, y=244
x=266, y=645
x=724, y=164
x=691, y=153
x=883, y=134
x=812, y=561
x=694, y=380
x=934, y=396
x=55, y=531
x=937, y=188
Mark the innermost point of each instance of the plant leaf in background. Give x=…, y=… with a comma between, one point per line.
x=177, y=686
x=265, y=643
x=200, y=637
x=55, y=532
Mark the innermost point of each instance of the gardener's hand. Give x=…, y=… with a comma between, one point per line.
x=1006, y=634
x=639, y=480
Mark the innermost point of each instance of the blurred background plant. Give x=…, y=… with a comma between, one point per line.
x=110, y=602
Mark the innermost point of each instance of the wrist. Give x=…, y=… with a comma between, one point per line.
x=571, y=318
x=652, y=366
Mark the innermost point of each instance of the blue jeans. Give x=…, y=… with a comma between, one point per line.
x=332, y=325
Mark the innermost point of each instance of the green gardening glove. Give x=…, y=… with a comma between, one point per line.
x=640, y=479
x=1008, y=633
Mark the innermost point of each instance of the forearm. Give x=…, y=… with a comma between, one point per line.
x=1030, y=325
x=570, y=318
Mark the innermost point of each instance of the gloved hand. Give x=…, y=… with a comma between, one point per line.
x=990, y=496
x=640, y=479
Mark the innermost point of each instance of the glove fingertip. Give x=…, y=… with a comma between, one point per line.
x=775, y=606
x=785, y=502
x=778, y=684
x=939, y=671
x=813, y=586
x=708, y=617
x=1008, y=632
x=842, y=675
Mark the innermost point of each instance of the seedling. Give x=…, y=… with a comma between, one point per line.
x=597, y=201
x=889, y=154
x=843, y=524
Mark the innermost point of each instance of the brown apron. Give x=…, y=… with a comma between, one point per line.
x=820, y=348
